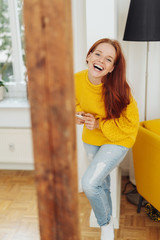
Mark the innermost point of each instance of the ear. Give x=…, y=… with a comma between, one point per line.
x=88, y=57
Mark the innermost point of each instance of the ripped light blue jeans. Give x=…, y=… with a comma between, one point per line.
x=96, y=180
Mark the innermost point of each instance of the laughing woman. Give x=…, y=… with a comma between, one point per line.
x=106, y=107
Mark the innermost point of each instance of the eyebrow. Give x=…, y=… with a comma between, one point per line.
x=101, y=52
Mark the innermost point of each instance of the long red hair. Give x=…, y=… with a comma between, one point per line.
x=116, y=91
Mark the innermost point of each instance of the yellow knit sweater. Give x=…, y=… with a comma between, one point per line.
x=121, y=131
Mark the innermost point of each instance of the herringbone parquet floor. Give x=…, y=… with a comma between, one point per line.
x=19, y=218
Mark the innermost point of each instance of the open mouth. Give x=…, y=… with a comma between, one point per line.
x=98, y=67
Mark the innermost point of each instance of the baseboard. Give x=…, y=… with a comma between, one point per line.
x=16, y=166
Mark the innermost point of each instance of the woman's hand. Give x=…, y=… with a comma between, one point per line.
x=80, y=120
x=90, y=121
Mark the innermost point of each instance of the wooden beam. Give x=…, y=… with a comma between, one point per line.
x=48, y=35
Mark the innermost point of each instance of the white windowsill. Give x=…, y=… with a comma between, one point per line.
x=15, y=113
x=14, y=103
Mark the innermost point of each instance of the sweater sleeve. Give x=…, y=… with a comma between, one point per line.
x=78, y=107
x=78, y=87
x=126, y=125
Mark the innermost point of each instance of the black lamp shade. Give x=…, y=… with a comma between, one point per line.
x=143, y=21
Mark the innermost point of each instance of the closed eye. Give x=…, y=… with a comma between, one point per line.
x=109, y=60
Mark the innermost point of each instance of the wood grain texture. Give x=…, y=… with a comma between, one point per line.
x=51, y=93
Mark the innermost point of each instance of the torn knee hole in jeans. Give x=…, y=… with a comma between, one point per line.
x=99, y=168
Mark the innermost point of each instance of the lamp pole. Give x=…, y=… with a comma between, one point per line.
x=146, y=83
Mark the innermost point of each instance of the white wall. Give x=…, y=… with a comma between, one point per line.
x=80, y=50
x=153, y=95
x=101, y=20
x=79, y=34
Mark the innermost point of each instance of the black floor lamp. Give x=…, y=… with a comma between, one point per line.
x=143, y=25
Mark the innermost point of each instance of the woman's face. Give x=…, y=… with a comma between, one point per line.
x=101, y=60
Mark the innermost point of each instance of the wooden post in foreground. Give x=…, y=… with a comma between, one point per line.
x=51, y=94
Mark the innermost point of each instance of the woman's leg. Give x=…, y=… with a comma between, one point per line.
x=106, y=186
x=90, y=150
x=96, y=180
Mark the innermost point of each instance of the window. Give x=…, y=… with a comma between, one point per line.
x=12, y=58
x=6, y=68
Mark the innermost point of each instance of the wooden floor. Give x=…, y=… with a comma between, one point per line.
x=19, y=220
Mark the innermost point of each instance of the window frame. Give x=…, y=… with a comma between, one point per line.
x=17, y=85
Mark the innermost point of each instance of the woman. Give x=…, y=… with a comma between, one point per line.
x=105, y=106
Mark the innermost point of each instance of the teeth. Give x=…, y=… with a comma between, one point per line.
x=98, y=67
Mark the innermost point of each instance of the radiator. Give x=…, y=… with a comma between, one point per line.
x=15, y=147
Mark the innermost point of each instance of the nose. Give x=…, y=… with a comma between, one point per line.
x=101, y=59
